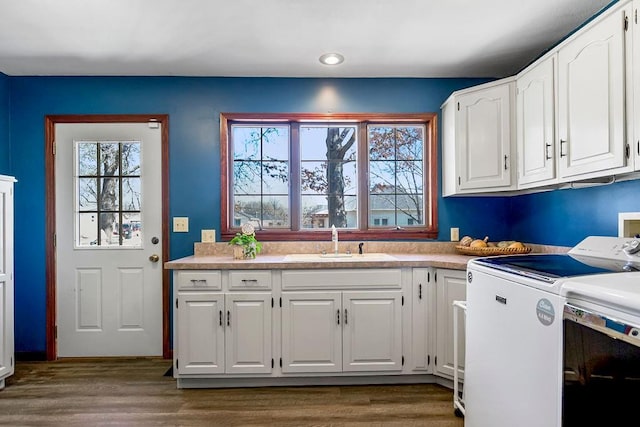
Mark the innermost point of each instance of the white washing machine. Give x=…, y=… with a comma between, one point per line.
x=514, y=332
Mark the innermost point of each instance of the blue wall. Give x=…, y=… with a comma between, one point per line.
x=4, y=125
x=194, y=106
x=565, y=217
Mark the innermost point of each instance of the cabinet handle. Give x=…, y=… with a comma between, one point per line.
x=346, y=319
x=505, y=162
x=228, y=318
x=420, y=291
x=547, y=151
x=639, y=147
x=249, y=281
x=220, y=317
x=562, y=142
x=338, y=315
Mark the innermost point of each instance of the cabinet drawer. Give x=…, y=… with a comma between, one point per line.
x=258, y=279
x=376, y=278
x=200, y=280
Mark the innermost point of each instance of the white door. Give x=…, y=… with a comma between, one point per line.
x=248, y=333
x=6, y=279
x=311, y=332
x=108, y=229
x=200, y=334
x=372, y=331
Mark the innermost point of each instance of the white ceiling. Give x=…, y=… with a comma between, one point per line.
x=282, y=38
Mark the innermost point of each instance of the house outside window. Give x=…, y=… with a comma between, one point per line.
x=293, y=175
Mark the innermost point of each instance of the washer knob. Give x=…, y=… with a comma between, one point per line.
x=632, y=247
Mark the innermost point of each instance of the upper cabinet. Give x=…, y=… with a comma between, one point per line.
x=592, y=69
x=535, y=124
x=573, y=115
x=477, y=142
x=635, y=146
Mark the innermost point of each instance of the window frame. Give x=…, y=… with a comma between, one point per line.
x=365, y=231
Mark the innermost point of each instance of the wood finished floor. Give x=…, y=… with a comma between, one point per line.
x=134, y=391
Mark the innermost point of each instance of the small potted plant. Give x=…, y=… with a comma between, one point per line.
x=245, y=244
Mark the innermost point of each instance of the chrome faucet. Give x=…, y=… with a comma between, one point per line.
x=334, y=239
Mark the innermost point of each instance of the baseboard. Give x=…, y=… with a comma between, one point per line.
x=31, y=356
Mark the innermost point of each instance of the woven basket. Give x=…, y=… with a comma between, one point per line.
x=488, y=251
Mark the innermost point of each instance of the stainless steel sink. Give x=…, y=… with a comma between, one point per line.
x=371, y=257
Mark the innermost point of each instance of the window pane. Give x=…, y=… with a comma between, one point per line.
x=131, y=230
x=109, y=159
x=275, y=212
x=275, y=176
x=131, y=194
x=410, y=143
x=275, y=143
x=246, y=178
x=87, y=229
x=131, y=158
x=328, y=166
x=109, y=194
x=87, y=193
x=87, y=158
x=410, y=209
x=246, y=143
x=382, y=210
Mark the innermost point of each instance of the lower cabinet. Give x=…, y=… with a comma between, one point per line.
x=221, y=333
x=341, y=331
x=451, y=285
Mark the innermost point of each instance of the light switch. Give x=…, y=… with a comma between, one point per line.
x=455, y=234
x=180, y=224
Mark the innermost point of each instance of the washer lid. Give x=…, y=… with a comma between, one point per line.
x=547, y=267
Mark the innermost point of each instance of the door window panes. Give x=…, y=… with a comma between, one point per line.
x=108, y=194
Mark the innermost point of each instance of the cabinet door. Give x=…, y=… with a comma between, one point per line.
x=200, y=333
x=483, y=132
x=636, y=82
x=4, y=356
x=450, y=286
x=372, y=331
x=311, y=332
x=591, y=73
x=6, y=280
x=420, y=320
x=248, y=332
x=535, y=124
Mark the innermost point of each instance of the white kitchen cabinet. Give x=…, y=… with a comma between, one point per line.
x=422, y=320
x=451, y=285
x=535, y=118
x=224, y=333
x=635, y=145
x=592, y=108
x=358, y=331
x=6, y=279
x=218, y=332
x=479, y=157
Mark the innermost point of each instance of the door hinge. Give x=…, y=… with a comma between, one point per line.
x=635, y=15
x=402, y=360
x=177, y=363
x=428, y=359
x=55, y=240
x=420, y=291
x=435, y=360
x=176, y=302
x=53, y=148
x=628, y=151
x=11, y=361
x=626, y=22
x=459, y=181
x=458, y=106
x=272, y=363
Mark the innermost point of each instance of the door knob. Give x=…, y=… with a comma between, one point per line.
x=154, y=258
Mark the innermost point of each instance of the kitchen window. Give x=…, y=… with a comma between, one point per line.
x=373, y=176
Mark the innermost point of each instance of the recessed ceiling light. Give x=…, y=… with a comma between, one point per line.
x=332, y=59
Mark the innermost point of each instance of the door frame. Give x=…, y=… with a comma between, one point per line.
x=50, y=207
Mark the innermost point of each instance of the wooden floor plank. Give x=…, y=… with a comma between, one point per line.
x=135, y=391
